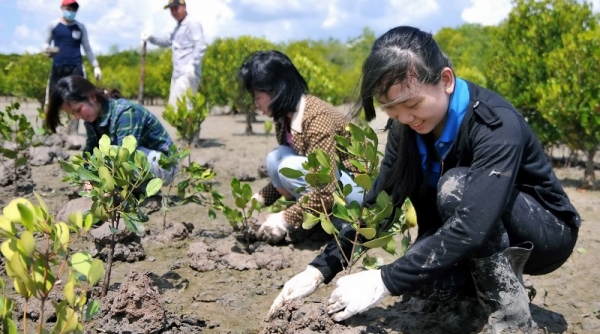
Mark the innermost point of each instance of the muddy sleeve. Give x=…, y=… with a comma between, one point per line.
x=496, y=158
x=331, y=260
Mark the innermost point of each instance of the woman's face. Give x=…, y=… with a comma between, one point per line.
x=422, y=107
x=87, y=110
x=262, y=100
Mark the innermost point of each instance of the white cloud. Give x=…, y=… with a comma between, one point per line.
x=121, y=22
x=487, y=12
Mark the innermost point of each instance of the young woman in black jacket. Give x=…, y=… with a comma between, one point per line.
x=489, y=206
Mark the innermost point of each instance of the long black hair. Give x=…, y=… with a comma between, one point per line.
x=274, y=73
x=403, y=55
x=74, y=88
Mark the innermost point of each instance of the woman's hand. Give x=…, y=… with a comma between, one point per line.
x=299, y=286
x=356, y=293
x=273, y=229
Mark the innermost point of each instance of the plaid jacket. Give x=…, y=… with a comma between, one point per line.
x=124, y=118
x=313, y=126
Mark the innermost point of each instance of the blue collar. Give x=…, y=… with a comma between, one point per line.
x=459, y=101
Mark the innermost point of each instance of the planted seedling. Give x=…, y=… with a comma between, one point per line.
x=37, y=254
x=16, y=137
x=375, y=225
x=187, y=117
x=120, y=179
x=195, y=185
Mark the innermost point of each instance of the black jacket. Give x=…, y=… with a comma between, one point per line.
x=502, y=153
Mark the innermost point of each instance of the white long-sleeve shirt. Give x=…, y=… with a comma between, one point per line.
x=188, y=46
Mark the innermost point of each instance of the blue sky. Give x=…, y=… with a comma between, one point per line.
x=120, y=22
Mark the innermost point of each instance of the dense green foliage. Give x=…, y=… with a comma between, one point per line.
x=542, y=58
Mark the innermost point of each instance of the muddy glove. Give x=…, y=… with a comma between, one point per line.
x=299, y=286
x=51, y=51
x=273, y=229
x=97, y=73
x=356, y=293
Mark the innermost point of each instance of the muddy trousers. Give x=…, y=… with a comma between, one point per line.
x=528, y=239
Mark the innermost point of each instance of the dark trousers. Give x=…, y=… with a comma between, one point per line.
x=523, y=220
x=59, y=72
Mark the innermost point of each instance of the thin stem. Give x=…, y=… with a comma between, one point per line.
x=25, y=318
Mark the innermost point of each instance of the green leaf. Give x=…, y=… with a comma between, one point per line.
x=96, y=272
x=405, y=244
x=104, y=144
x=153, y=187
x=291, y=173
x=93, y=307
x=317, y=179
x=67, y=319
x=363, y=181
x=390, y=247
x=347, y=189
x=358, y=165
x=310, y=221
x=9, y=326
x=11, y=211
x=7, y=225
x=383, y=199
x=86, y=175
x=26, y=216
x=212, y=214
x=341, y=212
x=8, y=153
x=130, y=143
x=357, y=133
x=28, y=243
x=240, y=203
x=367, y=232
x=21, y=162
x=327, y=225
x=81, y=262
x=69, y=293
x=323, y=158
x=105, y=175
x=379, y=242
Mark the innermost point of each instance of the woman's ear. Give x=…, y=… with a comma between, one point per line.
x=448, y=80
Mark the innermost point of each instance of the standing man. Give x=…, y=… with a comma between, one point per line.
x=187, y=42
x=68, y=36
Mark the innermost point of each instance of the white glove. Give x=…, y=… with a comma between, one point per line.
x=146, y=36
x=299, y=286
x=259, y=198
x=273, y=229
x=356, y=293
x=97, y=73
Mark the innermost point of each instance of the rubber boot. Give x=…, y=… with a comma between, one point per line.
x=499, y=285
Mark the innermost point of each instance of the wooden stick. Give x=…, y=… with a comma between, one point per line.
x=142, y=74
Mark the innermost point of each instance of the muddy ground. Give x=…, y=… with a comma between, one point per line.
x=202, y=273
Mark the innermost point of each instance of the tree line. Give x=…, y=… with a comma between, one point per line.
x=544, y=58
